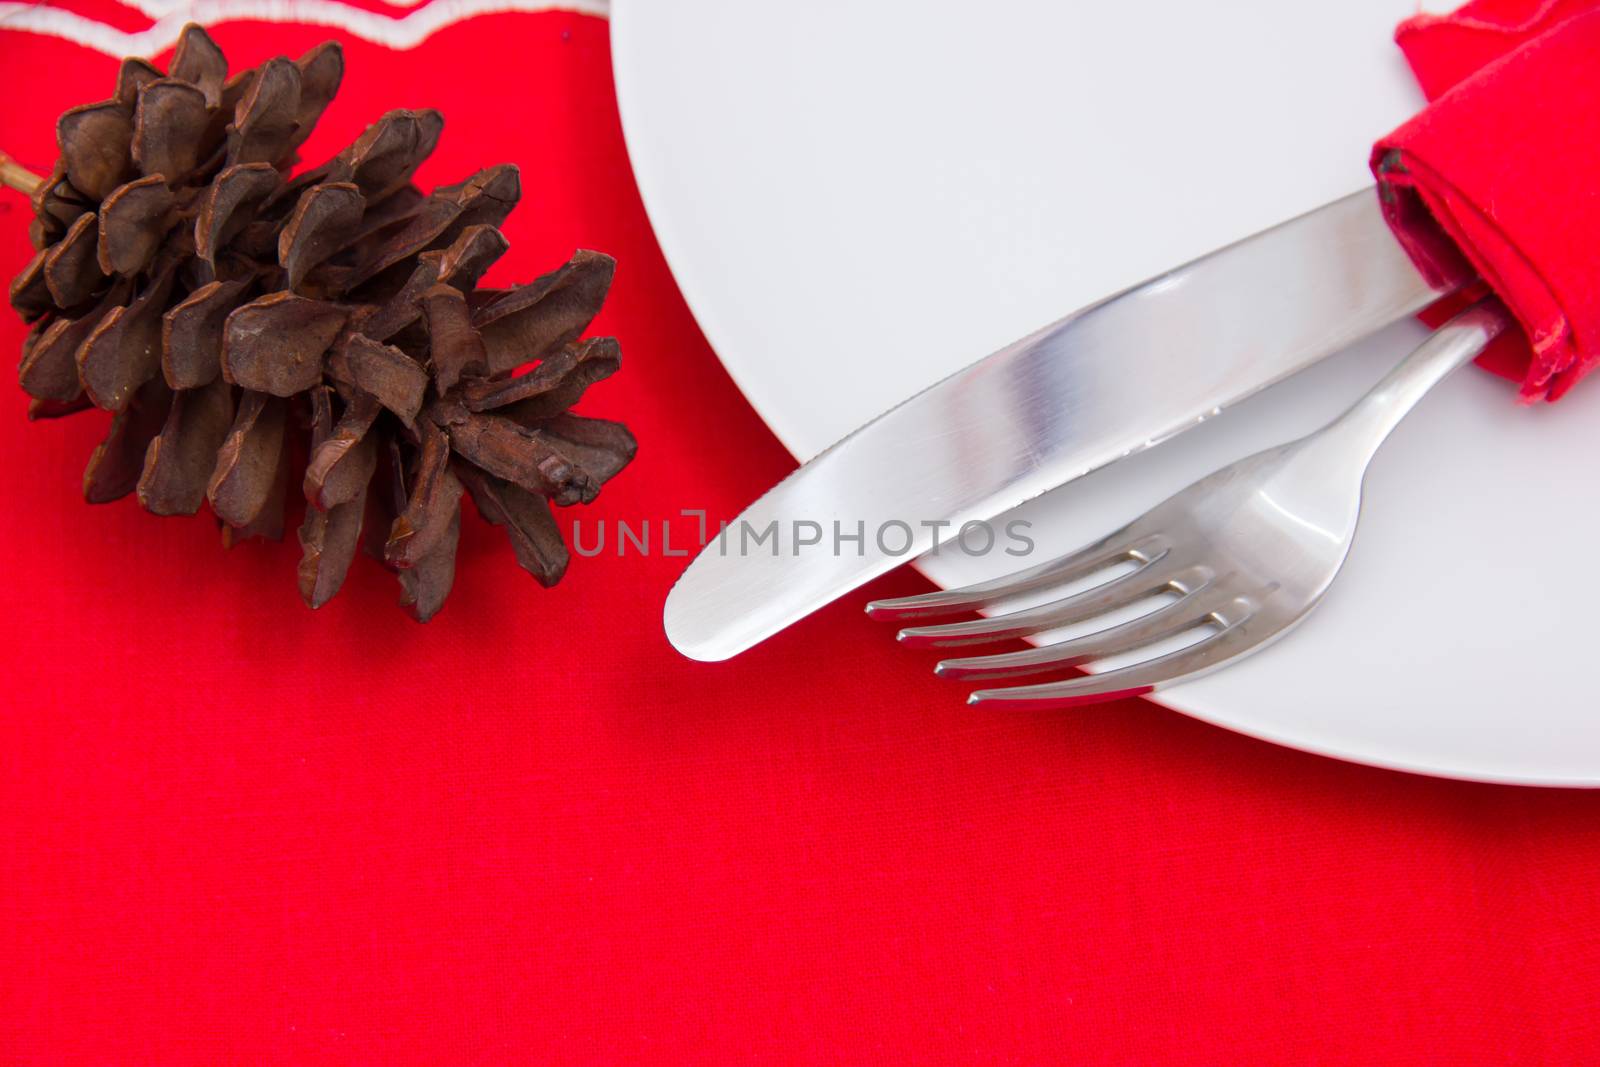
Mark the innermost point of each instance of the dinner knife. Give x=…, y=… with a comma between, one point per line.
x=1115, y=378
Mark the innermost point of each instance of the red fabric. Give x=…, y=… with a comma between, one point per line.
x=236, y=832
x=1500, y=175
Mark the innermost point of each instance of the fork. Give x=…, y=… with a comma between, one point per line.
x=1242, y=555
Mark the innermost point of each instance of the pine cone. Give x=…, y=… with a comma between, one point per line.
x=216, y=305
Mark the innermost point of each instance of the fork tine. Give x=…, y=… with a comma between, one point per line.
x=1161, y=574
x=1122, y=545
x=1194, y=609
x=1137, y=679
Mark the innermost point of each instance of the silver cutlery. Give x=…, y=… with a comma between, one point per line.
x=1106, y=382
x=1242, y=555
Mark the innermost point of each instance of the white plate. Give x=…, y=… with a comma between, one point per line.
x=860, y=196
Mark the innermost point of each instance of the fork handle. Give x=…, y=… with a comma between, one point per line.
x=1372, y=418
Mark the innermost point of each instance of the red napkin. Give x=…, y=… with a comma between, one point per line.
x=1499, y=176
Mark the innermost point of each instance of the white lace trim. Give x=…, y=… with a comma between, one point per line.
x=406, y=31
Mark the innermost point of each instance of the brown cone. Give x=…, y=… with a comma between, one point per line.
x=221, y=307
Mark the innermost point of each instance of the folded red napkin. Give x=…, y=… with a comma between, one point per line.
x=1499, y=176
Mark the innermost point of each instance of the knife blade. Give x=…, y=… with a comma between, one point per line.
x=1112, y=379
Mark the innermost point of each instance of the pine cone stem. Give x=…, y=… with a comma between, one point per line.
x=18, y=177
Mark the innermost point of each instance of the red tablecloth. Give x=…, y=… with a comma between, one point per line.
x=234, y=831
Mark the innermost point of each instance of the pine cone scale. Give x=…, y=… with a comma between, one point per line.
x=342, y=465
x=118, y=462
x=321, y=73
x=528, y=522
x=49, y=369
x=326, y=218
x=30, y=293
x=247, y=462
x=95, y=141
x=264, y=126
x=72, y=271
x=191, y=334
x=169, y=124
x=422, y=528
x=228, y=203
x=133, y=223
x=199, y=61
x=385, y=373
x=275, y=344
x=458, y=351
x=528, y=322
x=133, y=75
x=179, y=462
x=124, y=349
x=426, y=584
